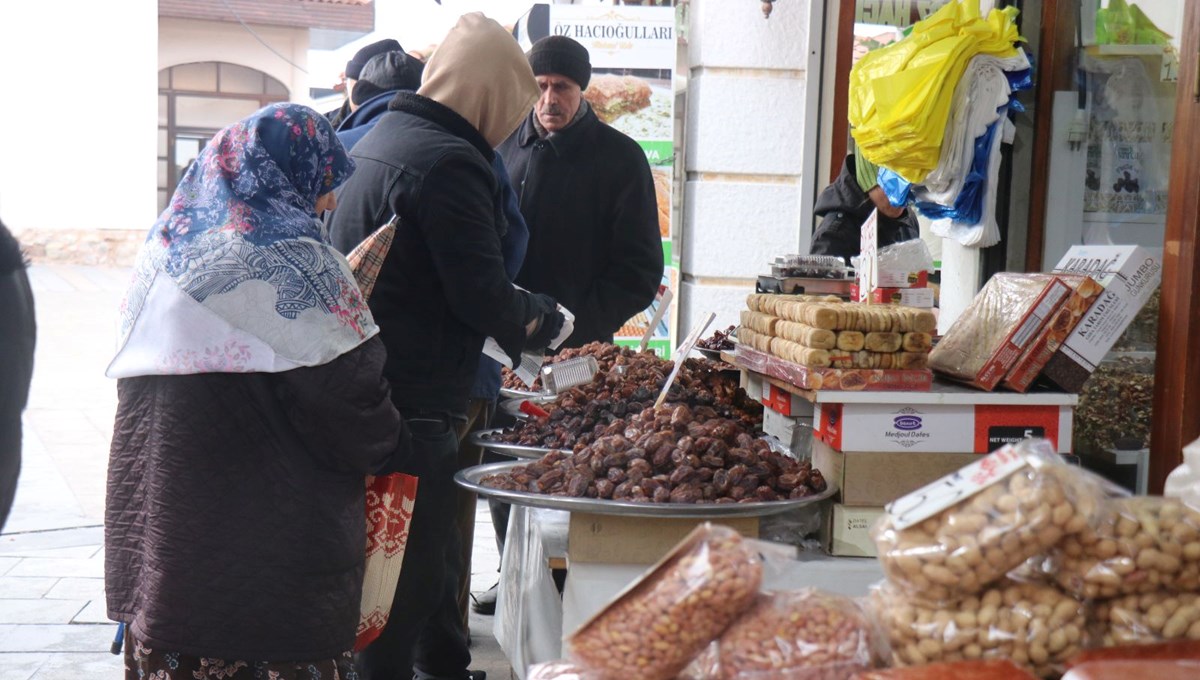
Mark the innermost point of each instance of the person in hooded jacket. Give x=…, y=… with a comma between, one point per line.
x=441, y=290
x=18, y=335
x=251, y=407
x=382, y=77
x=847, y=202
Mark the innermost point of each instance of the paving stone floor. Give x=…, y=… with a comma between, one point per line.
x=52, y=617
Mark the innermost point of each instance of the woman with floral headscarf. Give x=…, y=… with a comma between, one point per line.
x=251, y=405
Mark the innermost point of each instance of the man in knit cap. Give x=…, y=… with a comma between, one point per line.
x=353, y=70
x=588, y=197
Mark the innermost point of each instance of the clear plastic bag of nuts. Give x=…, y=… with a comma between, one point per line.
x=796, y=635
x=1142, y=544
x=654, y=628
x=955, y=537
x=1151, y=617
x=1035, y=626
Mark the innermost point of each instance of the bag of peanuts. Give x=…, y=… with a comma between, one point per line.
x=662, y=621
x=1142, y=544
x=960, y=670
x=796, y=635
x=956, y=536
x=1152, y=617
x=1035, y=626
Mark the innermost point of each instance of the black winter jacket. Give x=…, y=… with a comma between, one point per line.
x=234, y=524
x=442, y=288
x=588, y=197
x=844, y=206
x=18, y=331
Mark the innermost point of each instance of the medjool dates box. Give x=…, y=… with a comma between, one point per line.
x=1129, y=275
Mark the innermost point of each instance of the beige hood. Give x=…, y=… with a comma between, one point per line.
x=481, y=73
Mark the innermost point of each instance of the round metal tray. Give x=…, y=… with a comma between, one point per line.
x=714, y=354
x=512, y=407
x=511, y=393
x=482, y=439
x=470, y=479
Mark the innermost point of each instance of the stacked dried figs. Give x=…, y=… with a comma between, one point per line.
x=668, y=455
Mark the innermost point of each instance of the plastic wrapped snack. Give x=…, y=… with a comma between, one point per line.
x=960, y=670
x=1035, y=626
x=798, y=635
x=990, y=335
x=653, y=629
x=1153, y=617
x=1144, y=544
x=953, y=538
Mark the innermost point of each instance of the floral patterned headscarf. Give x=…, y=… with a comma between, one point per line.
x=238, y=275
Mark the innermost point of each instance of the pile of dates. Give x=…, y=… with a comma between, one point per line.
x=581, y=414
x=607, y=355
x=719, y=340
x=668, y=455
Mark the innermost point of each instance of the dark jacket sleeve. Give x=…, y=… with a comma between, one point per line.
x=457, y=215
x=343, y=410
x=635, y=258
x=515, y=241
x=17, y=336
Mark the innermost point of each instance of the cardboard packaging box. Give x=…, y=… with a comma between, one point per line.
x=993, y=332
x=620, y=539
x=909, y=297
x=1035, y=357
x=880, y=477
x=941, y=428
x=847, y=531
x=1129, y=275
x=785, y=403
x=794, y=432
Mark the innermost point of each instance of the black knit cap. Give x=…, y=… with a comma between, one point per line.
x=359, y=60
x=387, y=72
x=562, y=55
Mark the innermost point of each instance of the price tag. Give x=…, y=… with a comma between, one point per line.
x=952, y=489
x=685, y=348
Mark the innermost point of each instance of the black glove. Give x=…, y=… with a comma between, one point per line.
x=550, y=323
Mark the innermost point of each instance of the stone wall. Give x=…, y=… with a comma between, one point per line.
x=745, y=151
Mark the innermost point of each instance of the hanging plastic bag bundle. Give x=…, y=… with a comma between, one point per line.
x=899, y=101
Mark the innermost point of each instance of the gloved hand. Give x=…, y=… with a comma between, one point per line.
x=550, y=323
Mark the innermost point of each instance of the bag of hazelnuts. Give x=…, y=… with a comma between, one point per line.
x=656, y=626
x=804, y=634
x=957, y=536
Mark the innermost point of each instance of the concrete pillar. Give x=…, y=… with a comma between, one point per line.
x=749, y=151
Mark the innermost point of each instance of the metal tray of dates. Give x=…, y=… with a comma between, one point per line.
x=471, y=478
x=511, y=393
x=483, y=439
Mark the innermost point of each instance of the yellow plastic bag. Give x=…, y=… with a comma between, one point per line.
x=900, y=94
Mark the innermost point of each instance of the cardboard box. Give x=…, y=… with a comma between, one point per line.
x=1052, y=297
x=1021, y=376
x=941, y=428
x=1129, y=274
x=621, y=539
x=909, y=297
x=880, y=477
x=786, y=403
x=847, y=531
x=794, y=432
x=894, y=278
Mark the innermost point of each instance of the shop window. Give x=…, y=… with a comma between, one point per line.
x=197, y=100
